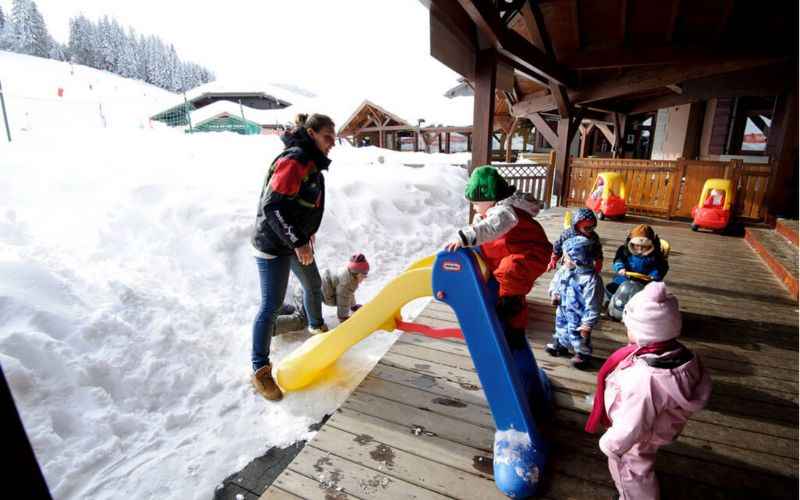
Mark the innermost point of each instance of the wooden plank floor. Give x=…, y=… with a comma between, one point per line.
x=419, y=425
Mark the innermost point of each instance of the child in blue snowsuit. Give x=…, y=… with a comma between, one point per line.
x=641, y=253
x=577, y=290
x=583, y=224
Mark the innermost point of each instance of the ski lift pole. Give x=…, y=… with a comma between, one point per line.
x=5, y=115
x=188, y=114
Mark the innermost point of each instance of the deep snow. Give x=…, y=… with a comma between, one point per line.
x=127, y=292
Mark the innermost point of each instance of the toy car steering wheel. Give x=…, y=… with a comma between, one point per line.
x=638, y=276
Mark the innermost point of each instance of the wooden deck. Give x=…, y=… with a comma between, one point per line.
x=419, y=426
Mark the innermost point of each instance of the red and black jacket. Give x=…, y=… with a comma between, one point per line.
x=292, y=197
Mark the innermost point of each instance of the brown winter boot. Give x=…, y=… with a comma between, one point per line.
x=265, y=384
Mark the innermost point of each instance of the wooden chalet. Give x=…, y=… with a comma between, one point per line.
x=178, y=115
x=372, y=125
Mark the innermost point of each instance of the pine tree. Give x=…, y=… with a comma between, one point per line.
x=22, y=22
x=106, y=58
x=42, y=41
x=128, y=64
x=175, y=82
x=79, y=42
x=141, y=58
x=57, y=51
x=6, y=35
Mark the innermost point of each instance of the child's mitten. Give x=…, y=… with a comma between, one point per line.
x=553, y=262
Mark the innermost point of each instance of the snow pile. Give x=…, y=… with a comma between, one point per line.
x=127, y=293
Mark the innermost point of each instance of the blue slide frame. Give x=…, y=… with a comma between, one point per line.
x=517, y=390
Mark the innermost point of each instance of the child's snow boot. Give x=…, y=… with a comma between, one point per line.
x=581, y=361
x=555, y=349
x=265, y=384
x=316, y=330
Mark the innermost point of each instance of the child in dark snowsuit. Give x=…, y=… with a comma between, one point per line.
x=338, y=290
x=642, y=254
x=577, y=290
x=583, y=223
x=513, y=245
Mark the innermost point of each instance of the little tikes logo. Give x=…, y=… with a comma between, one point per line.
x=451, y=266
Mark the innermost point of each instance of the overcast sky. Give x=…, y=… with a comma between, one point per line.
x=332, y=47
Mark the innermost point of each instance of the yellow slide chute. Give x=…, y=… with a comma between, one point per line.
x=305, y=364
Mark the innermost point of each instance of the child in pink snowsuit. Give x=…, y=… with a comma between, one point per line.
x=646, y=392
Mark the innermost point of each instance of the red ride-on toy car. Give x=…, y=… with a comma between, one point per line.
x=607, y=198
x=713, y=210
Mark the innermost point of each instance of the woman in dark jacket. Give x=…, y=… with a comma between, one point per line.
x=289, y=214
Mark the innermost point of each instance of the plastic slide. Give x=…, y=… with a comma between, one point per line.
x=516, y=389
x=518, y=392
x=309, y=361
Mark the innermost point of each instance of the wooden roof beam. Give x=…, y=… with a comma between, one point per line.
x=627, y=57
x=655, y=103
x=636, y=81
x=724, y=17
x=675, y=88
x=576, y=24
x=512, y=46
x=652, y=78
x=673, y=19
x=544, y=128
x=534, y=22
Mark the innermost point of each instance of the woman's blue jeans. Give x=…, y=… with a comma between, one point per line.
x=274, y=277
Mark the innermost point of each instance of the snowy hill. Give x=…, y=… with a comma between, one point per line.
x=89, y=98
x=128, y=289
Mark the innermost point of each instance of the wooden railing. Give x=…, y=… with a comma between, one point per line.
x=534, y=177
x=751, y=182
x=671, y=188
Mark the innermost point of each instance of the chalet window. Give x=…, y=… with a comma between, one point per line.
x=741, y=126
x=752, y=118
x=638, y=140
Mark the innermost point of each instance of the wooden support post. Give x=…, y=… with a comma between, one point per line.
x=525, y=136
x=544, y=129
x=619, y=131
x=416, y=141
x=380, y=138
x=603, y=128
x=509, y=139
x=483, y=116
x=782, y=143
x=566, y=132
x=447, y=142
x=548, y=186
x=469, y=142
x=584, y=132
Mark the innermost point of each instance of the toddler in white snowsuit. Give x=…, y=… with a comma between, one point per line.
x=338, y=290
x=577, y=290
x=646, y=392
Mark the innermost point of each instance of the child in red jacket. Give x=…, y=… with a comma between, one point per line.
x=514, y=246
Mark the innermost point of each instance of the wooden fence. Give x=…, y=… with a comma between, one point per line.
x=671, y=188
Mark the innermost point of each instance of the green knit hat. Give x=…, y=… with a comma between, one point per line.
x=486, y=184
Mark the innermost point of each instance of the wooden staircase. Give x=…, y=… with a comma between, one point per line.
x=778, y=248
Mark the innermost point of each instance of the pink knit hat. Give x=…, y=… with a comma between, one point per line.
x=652, y=315
x=358, y=264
